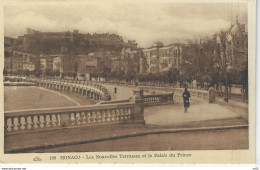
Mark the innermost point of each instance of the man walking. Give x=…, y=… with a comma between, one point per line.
x=186, y=102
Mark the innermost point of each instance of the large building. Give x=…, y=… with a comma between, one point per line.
x=74, y=42
x=237, y=45
x=160, y=58
x=23, y=61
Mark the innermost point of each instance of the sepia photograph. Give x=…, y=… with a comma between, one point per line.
x=119, y=77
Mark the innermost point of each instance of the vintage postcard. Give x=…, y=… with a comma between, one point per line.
x=128, y=82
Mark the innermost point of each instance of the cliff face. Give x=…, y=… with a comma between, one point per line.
x=70, y=42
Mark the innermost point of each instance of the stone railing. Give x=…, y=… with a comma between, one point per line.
x=14, y=79
x=113, y=101
x=195, y=94
x=89, y=89
x=19, y=84
x=199, y=94
x=66, y=117
x=158, y=99
x=148, y=99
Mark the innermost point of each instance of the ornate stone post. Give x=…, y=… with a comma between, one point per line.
x=64, y=117
x=138, y=110
x=212, y=95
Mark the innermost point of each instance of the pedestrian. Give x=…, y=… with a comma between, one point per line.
x=186, y=102
x=109, y=97
x=115, y=90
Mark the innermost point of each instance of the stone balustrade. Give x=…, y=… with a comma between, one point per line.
x=19, y=84
x=56, y=118
x=158, y=99
x=88, y=89
x=113, y=101
x=131, y=111
x=198, y=94
x=148, y=99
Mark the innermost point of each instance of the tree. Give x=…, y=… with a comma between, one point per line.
x=222, y=60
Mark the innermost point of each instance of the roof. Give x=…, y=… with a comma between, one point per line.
x=238, y=30
x=158, y=44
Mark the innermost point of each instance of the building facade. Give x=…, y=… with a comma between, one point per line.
x=160, y=58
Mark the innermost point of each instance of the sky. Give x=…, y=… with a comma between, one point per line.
x=146, y=23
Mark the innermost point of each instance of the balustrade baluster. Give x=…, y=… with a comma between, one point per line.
x=99, y=118
x=12, y=126
x=89, y=117
x=38, y=123
x=19, y=122
x=56, y=120
x=75, y=115
x=73, y=118
x=122, y=115
x=117, y=114
x=44, y=123
x=109, y=117
x=69, y=119
x=103, y=116
x=94, y=117
x=32, y=122
x=82, y=118
x=51, y=121
x=26, y=124
x=78, y=118
x=130, y=111
x=126, y=113
x=113, y=116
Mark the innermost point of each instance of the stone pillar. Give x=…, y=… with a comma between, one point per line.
x=212, y=95
x=64, y=117
x=138, y=110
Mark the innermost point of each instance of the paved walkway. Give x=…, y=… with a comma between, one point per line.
x=123, y=93
x=174, y=114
